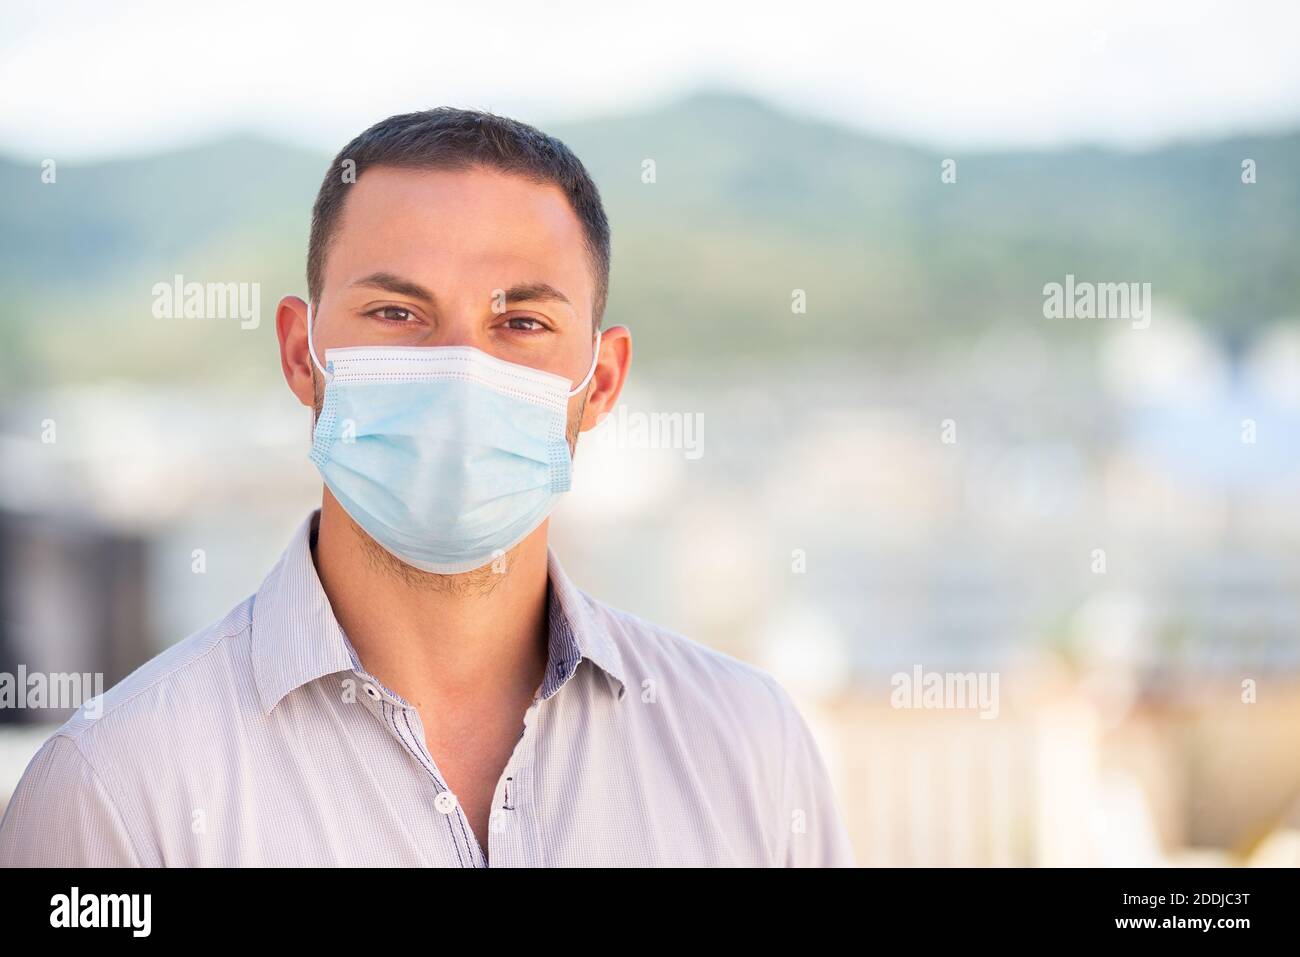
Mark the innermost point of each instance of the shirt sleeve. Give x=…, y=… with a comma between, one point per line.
x=62, y=815
x=815, y=832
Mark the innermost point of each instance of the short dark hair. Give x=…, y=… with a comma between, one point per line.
x=451, y=139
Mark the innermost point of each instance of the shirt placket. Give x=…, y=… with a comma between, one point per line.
x=403, y=722
x=514, y=831
x=512, y=824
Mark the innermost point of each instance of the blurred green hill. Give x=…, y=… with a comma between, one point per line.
x=749, y=203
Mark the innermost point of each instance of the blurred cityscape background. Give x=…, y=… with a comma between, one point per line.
x=920, y=470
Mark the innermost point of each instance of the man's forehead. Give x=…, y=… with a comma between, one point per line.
x=481, y=221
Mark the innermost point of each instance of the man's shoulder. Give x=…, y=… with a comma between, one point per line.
x=659, y=659
x=177, y=684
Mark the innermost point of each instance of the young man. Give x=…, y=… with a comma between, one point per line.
x=417, y=682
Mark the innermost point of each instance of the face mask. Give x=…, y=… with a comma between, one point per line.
x=446, y=456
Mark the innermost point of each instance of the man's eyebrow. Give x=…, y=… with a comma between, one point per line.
x=535, y=292
x=396, y=284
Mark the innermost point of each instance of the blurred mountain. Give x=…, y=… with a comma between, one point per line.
x=748, y=204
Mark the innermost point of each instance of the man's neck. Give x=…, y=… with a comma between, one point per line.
x=431, y=638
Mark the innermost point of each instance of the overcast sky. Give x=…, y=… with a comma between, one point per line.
x=81, y=80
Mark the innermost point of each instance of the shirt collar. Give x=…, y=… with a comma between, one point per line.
x=576, y=630
x=296, y=638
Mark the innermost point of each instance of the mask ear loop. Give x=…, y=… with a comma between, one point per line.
x=595, y=355
x=311, y=347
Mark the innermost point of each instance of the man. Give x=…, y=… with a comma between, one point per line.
x=417, y=682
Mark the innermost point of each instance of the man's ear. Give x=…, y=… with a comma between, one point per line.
x=611, y=372
x=295, y=358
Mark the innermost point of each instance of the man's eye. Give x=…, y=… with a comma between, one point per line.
x=393, y=314
x=525, y=324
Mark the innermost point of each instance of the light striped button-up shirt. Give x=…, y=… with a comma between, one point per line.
x=263, y=741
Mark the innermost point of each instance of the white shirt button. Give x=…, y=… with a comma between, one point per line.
x=445, y=802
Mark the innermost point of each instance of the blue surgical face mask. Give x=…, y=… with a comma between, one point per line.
x=446, y=456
